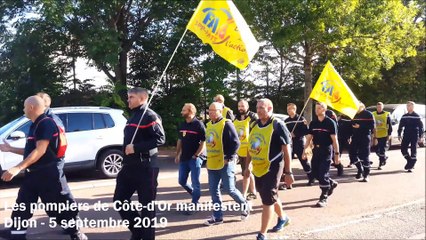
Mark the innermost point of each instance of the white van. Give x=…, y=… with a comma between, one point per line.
x=94, y=134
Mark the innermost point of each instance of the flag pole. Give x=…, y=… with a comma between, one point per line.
x=300, y=115
x=157, y=83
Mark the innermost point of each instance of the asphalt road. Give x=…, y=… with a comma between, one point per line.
x=390, y=206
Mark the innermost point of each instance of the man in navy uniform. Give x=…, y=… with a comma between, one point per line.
x=297, y=125
x=323, y=134
x=140, y=167
x=362, y=126
x=413, y=131
x=344, y=133
x=44, y=175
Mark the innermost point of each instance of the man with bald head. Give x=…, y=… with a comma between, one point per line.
x=222, y=144
x=44, y=176
x=226, y=112
x=48, y=111
x=190, y=145
x=269, y=151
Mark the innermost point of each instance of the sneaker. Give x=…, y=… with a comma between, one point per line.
x=358, y=175
x=78, y=236
x=282, y=187
x=281, y=223
x=365, y=179
x=246, y=212
x=332, y=187
x=213, y=221
x=322, y=203
x=251, y=196
x=260, y=237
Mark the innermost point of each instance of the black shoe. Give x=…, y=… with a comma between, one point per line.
x=322, y=203
x=358, y=175
x=339, y=170
x=384, y=161
x=365, y=179
x=332, y=187
x=134, y=237
x=78, y=236
x=409, y=170
x=310, y=182
x=379, y=168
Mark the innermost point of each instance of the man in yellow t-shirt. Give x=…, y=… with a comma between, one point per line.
x=226, y=112
x=382, y=132
x=242, y=123
x=269, y=152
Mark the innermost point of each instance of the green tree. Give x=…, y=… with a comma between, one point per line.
x=359, y=36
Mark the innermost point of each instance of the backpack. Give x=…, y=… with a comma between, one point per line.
x=61, y=142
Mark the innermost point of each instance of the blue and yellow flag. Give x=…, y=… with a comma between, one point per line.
x=220, y=24
x=333, y=91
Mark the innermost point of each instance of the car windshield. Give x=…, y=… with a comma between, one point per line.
x=10, y=124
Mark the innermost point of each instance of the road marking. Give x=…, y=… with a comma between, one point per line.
x=368, y=217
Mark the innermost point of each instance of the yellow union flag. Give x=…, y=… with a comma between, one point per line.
x=333, y=91
x=220, y=24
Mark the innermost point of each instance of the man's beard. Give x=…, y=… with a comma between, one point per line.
x=242, y=112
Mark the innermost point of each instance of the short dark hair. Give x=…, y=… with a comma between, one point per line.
x=138, y=90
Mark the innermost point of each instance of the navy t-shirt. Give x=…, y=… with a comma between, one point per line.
x=191, y=134
x=44, y=128
x=322, y=130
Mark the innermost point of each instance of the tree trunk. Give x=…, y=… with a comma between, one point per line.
x=120, y=71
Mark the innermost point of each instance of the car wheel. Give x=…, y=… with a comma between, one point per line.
x=110, y=163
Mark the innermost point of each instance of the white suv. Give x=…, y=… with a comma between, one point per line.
x=94, y=135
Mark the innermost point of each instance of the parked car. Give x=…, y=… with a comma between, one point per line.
x=94, y=135
x=396, y=111
x=281, y=116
